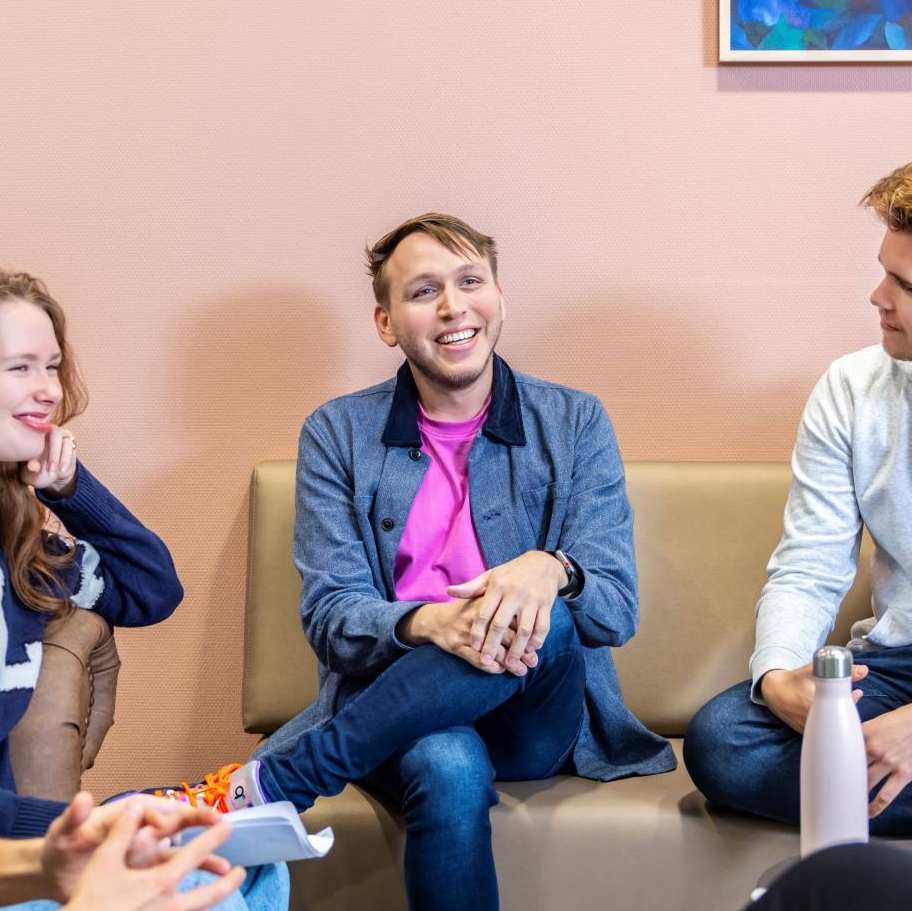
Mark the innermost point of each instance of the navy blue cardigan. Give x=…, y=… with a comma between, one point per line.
x=122, y=571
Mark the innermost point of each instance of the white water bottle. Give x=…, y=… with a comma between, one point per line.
x=834, y=772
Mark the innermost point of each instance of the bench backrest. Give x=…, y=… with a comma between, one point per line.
x=704, y=533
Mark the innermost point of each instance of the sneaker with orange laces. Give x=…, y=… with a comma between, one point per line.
x=232, y=787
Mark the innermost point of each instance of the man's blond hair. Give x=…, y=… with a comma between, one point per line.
x=891, y=199
x=453, y=233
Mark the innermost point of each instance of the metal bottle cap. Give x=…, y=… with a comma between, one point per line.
x=832, y=661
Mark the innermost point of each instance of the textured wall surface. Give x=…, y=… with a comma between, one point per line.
x=196, y=183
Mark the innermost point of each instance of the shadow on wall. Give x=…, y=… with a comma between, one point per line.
x=783, y=77
x=257, y=361
x=244, y=371
x=627, y=351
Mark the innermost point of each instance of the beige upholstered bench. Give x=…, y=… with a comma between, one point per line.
x=704, y=533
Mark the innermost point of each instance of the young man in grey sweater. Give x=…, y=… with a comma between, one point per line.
x=852, y=467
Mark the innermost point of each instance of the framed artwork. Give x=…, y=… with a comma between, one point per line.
x=815, y=31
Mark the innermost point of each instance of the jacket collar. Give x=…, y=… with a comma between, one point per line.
x=503, y=423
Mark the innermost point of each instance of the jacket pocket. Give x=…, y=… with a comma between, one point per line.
x=546, y=508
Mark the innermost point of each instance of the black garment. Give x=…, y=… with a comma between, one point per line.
x=872, y=877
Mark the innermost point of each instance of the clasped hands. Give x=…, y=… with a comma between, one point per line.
x=888, y=737
x=120, y=856
x=497, y=621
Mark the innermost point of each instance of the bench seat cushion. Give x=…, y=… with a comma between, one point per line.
x=566, y=843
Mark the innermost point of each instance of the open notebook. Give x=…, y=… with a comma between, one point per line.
x=267, y=835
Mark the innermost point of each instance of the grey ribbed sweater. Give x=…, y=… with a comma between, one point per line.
x=852, y=466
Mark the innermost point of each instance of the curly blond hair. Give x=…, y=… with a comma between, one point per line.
x=891, y=199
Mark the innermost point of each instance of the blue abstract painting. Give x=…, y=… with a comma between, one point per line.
x=816, y=29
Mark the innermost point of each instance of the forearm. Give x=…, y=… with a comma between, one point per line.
x=766, y=687
x=354, y=633
x=347, y=609
x=124, y=571
x=597, y=532
x=815, y=561
x=598, y=535
x=808, y=576
x=607, y=611
x=26, y=817
x=793, y=619
x=21, y=875
x=416, y=627
x=782, y=645
x=428, y=624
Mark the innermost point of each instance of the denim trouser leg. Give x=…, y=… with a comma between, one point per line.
x=742, y=756
x=441, y=784
x=266, y=888
x=424, y=691
x=38, y=905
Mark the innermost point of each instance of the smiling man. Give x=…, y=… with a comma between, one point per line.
x=852, y=467
x=465, y=546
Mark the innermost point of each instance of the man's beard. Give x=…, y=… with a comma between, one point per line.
x=454, y=379
x=451, y=380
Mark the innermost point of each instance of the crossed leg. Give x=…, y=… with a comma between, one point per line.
x=742, y=756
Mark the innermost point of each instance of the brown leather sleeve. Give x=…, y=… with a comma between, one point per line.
x=71, y=709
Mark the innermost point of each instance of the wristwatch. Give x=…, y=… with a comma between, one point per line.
x=574, y=577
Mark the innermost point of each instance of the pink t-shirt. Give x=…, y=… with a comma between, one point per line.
x=439, y=546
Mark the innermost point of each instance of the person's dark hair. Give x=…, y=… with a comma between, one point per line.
x=34, y=568
x=451, y=232
x=891, y=199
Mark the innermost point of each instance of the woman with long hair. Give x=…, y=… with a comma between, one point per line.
x=108, y=562
x=112, y=564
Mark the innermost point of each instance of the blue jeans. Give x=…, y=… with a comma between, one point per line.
x=742, y=756
x=431, y=733
x=265, y=889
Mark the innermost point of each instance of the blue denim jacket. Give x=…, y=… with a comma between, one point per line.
x=544, y=473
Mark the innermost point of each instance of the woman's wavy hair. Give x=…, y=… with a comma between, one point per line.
x=34, y=565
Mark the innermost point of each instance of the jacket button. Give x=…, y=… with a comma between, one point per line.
x=388, y=524
x=415, y=455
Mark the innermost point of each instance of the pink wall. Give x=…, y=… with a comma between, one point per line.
x=196, y=182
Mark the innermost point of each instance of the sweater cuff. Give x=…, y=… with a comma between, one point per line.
x=33, y=816
x=84, y=495
x=771, y=658
x=89, y=508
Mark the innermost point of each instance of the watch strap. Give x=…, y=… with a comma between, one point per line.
x=573, y=586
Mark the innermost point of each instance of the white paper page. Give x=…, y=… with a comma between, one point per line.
x=268, y=834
